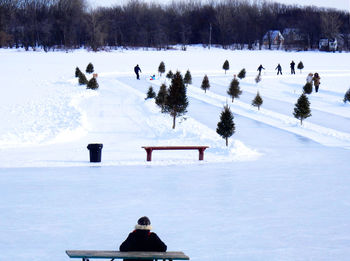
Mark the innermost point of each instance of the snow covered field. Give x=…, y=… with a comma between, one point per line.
x=280, y=191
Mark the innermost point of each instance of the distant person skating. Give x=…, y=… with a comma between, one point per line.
x=292, y=67
x=142, y=239
x=279, y=69
x=260, y=68
x=137, y=70
x=316, y=80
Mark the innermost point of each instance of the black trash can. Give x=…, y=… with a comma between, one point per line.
x=95, y=152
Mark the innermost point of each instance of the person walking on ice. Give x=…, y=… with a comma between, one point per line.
x=279, y=69
x=316, y=80
x=292, y=67
x=260, y=68
x=137, y=70
x=142, y=239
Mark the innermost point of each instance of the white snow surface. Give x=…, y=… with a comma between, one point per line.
x=279, y=191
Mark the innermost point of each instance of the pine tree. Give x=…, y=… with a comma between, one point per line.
x=150, y=94
x=300, y=66
x=347, y=96
x=90, y=68
x=241, y=74
x=307, y=88
x=226, y=66
x=205, y=83
x=302, y=108
x=92, y=84
x=82, y=79
x=176, y=103
x=77, y=72
x=161, y=68
x=234, y=91
x=170, y=75
x=226, y=126
x=162, y=97
x=188, y=78
x=257, y=101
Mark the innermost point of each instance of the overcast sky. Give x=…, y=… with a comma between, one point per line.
x=338, y=4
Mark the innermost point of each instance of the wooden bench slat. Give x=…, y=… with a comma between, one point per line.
x=126, y=255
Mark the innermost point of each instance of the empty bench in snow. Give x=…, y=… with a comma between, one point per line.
x=85, y=255
x=149, y=150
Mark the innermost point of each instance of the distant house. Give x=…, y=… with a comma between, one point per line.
x=326, y=44
x=293, y=38
x=273, y=39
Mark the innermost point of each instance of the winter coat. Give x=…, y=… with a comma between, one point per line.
x=137, y=69
x=143, y=240
x=316, y=80
x=260, y=68
x=309, y=78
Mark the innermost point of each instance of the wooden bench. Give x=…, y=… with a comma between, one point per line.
x=86, y=254
x=149, y=150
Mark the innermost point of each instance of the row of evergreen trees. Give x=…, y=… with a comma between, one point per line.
x=174, y=100
x=90, y=84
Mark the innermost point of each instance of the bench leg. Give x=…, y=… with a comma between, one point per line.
x=201, y=154
x=149, y=154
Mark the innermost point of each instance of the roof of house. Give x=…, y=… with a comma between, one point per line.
x=273, y=34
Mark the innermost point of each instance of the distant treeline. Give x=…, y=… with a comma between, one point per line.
x=73, y=24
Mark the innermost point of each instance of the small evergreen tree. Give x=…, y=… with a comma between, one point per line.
x=82, y=79
x=188, y=78
x=205, y=83
x=257, y=101
x=92, y=84
x=234, y=91
x=176, y=102
x=90, y=68
x=308, y=88
x=300, y=66
x=150, y=94
x=226, y=127
x=258, y=78
x=170, y=75
x=302, y=108
x=241, y=74
x=347, y=96
x=226, y=66
x=161, y=68
x=77, y=72
x=162, y=97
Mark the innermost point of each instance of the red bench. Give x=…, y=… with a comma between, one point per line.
x=149, y=150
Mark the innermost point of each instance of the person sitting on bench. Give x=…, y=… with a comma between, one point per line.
x=142, y=239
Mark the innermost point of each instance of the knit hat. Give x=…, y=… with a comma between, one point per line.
x=143, y=223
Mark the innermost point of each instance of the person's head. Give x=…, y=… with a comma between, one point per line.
x=143, y=223
x=316, y=74
x=310, y=74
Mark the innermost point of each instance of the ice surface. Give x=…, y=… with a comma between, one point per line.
x=280, y=191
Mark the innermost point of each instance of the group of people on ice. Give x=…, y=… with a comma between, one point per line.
x=311, y=78
x=279, y=68
x=314, y=79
